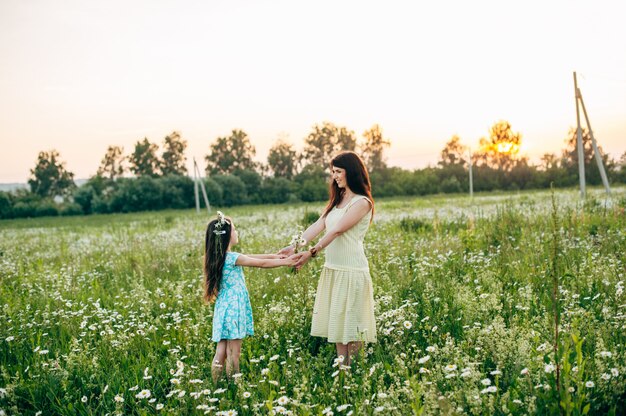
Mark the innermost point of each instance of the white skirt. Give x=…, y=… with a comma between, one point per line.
x=344, y=307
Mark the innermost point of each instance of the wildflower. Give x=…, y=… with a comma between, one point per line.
x=265, y=371
x=490, y=389
x=219, y=391
x=379, y=409
x=327, y=412
x=424, y=370
x=43, y=352
x=466, y=373
x=198, y=381
x=424, y=359
x=9, y=339
x=549, y=368
x=590, y=384
x=435, y=328
x=485, y=382
x=614, y=372
x=430, y=348
x=524, y=371
x=425, y=319
x=246, y=394
x=407, y=324
x=274, y=357
x=181, y=393
x=282, y=400
x=605, y=376
x=105, y=389
x=496, y=372
x=342, y=407
x=382, y=395
x=175, y=381
x=517, y=401
x=606, y=354
x=118, y=398
x=159, y=406
x=450, y=367
x=162, y=305
x=145, y=374
x=143, y=394
x=274, y=382
x=83, y=399
x=133, y=388
x=571, y=389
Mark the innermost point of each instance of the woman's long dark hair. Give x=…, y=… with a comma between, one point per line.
x=215, y=248
x=356, y=175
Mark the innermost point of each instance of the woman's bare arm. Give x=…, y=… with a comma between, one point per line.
x=309, y=234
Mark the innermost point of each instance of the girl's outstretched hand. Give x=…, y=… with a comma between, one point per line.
x=286, y=251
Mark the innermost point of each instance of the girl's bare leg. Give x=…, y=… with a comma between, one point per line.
x=233, y=351
x=217, y=366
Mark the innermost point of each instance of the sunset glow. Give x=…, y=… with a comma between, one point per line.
x=80, y=76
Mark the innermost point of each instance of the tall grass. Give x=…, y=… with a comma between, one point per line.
x=511, y=304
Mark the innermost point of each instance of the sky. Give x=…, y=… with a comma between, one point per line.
x=78, y=76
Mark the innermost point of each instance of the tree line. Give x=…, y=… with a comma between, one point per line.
x=153, y=177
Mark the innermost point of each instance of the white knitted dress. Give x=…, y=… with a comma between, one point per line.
x=344, y=304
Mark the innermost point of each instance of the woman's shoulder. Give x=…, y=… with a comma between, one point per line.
x=361, y=200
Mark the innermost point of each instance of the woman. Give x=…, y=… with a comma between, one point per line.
x=344, y=304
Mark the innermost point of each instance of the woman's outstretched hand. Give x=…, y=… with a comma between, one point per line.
x=301, y=259
x=287, y=251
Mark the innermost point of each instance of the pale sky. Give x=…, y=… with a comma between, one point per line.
x=78, y=76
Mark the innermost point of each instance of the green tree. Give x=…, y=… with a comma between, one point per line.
x=454, y=153
x=232, y=153
x=49, y=177
x=569, y=159
x=283, y=160
x=549, y=161
x=325, y=142
x=501, y=150
x=144, y=160
x=374, y=147
x=173, y=158
x=112, y=164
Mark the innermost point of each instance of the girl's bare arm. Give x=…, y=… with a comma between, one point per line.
x=265, y=256
x=265, y=263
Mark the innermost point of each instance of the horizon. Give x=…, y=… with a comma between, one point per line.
x=81, y=76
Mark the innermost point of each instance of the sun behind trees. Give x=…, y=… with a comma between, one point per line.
x=501, y=150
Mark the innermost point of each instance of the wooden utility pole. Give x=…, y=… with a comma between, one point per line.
x=197, y=179
x=579, y=144
x=471, y=181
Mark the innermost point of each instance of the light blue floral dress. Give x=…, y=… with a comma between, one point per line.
x=232, y=316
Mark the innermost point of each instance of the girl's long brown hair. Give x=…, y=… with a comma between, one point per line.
x=215, y=249
x=357, y=177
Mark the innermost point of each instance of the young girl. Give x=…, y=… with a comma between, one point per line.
x=225, y=284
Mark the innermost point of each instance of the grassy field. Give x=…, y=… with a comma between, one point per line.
x=103, y=314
